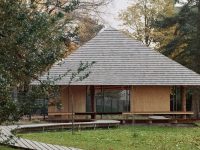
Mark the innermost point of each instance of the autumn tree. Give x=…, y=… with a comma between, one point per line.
x=139, y=18
x=88, y=28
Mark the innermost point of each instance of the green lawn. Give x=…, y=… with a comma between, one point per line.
x=125, y=138
x=198, y=124
x=6, y=148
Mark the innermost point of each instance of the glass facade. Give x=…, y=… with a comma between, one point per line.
x=175, y=99
x=110, y=99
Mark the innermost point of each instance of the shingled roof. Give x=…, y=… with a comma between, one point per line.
x=120, y=60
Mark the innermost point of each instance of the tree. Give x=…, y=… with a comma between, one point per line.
x=180, y=46
x=139, y=18
x=88, y=28
x=196, y=64
x=31, y=41
x=33, y=36
x=184, y=47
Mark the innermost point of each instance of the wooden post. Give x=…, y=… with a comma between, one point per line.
x=183, y=100
x=71, y=98
x=92, y=94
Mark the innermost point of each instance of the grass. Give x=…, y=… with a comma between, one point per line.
x=198, y=124
x=125, y=137
x=7, y=148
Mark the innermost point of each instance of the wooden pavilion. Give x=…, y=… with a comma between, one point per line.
x=127, y=77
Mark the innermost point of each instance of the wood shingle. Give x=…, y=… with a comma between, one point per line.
x=120, y=60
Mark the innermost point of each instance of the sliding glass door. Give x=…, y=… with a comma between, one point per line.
x=110, y=99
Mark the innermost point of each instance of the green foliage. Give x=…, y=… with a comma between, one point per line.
x=31, y=40
x=9, y=111
x=77, y=76
x=33, y=36
x=126, y=138
x=183, y=47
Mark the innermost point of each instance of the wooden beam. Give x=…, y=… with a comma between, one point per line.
x=59, y=113
x=160, y=113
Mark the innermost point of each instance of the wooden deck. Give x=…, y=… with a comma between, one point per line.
x=167, y=117
x=25, y=143
x=121, y=113
x=160, y=113
x=33, y=145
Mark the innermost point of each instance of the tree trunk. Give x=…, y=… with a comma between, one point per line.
x=146, y=36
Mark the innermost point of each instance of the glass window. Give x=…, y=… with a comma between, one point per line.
x=175, y=99
x=110, y=99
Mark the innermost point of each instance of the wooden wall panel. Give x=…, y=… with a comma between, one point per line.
x=51, y=109
x=142, y=99
x=150, y=98
x=65, y=99
x=78, y=93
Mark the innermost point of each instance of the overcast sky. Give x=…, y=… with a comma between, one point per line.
x=111, y=12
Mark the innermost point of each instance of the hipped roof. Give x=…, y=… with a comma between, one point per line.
x=120, y=60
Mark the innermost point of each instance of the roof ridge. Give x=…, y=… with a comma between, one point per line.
x=110, y=29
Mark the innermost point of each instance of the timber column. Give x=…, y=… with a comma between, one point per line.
x=183, y=100
x=92, y=94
